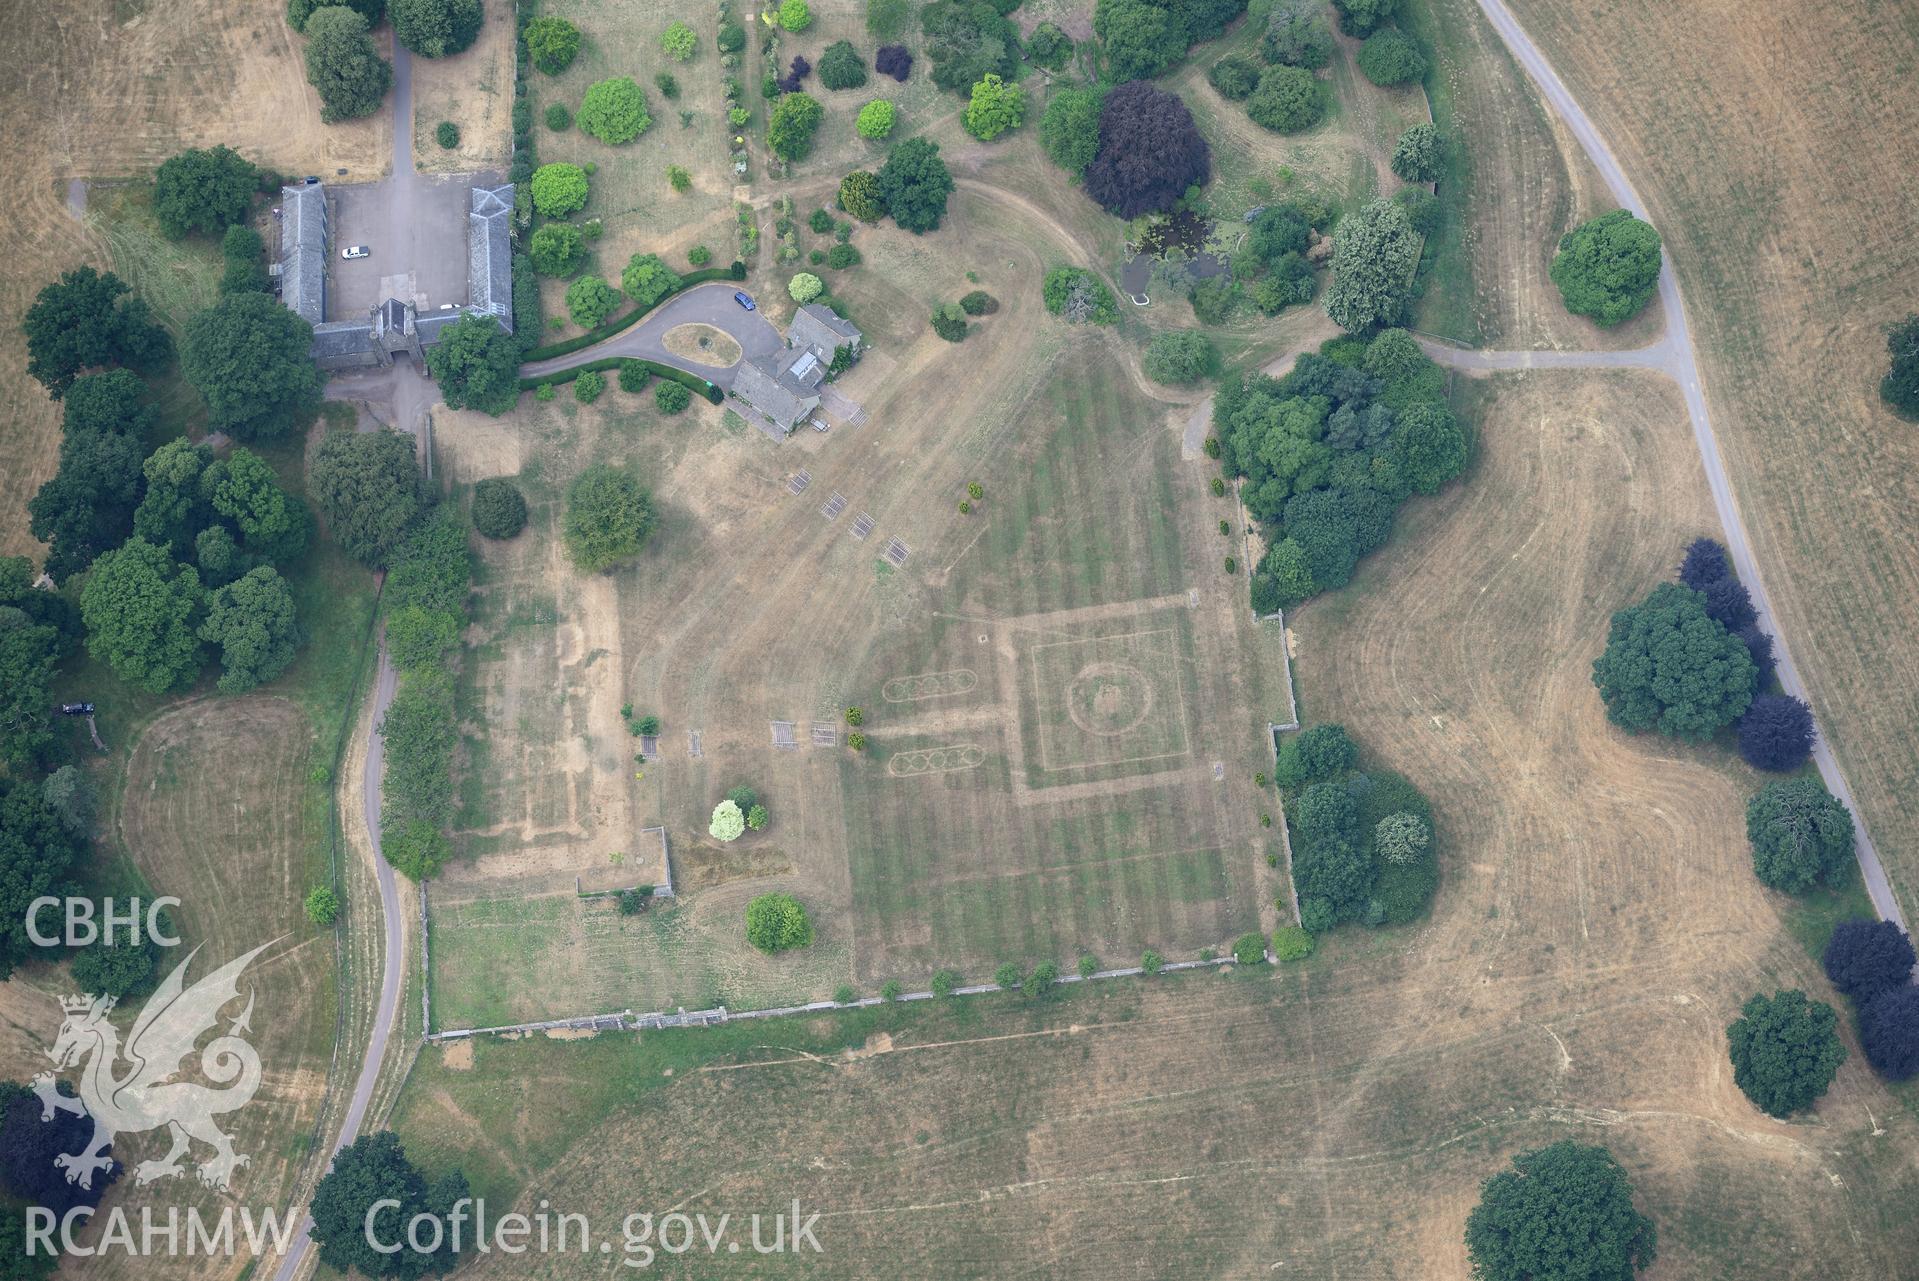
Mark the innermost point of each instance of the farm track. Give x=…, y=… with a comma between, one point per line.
x=1672, y=355
x=387, y=1014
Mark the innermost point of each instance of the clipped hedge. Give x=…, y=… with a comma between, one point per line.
x=606, y=329
x=692, y=382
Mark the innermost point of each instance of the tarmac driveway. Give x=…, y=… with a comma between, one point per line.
x=708, y=304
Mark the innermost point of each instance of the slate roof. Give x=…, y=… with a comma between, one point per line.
x=819, y=328
x=768, y=384
x=341, y=338
x=303, y=251
x=430, y=325
x=489, y=253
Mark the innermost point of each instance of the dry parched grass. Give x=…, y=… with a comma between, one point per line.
x=1595, y=931
x=1776, y=148
x=109, y=91
x=212, y=815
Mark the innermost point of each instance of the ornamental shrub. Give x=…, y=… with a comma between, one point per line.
x=777, y=922
x=875, y=120
x=499, y=508
x=614, y=111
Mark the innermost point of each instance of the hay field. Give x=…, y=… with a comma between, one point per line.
x=1776, y=148
x=1596, y=928
x=108, y=91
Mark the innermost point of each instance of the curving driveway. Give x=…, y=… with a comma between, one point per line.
x=1673, y=356
x=709, y=304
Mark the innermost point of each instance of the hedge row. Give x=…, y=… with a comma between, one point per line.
x=528, y=320
x=425, y=602
x=606, y=329
x=692, y=382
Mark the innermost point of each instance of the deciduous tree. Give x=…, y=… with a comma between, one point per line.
x=1608, y=268
x=552, y=44
x=1235, y=78
x=1866, y=957
x=141, y=609
x=914, y=185
x=28, y=655
x=87, y=507
x=1329, y=857
x=348, y=1219
x=1286, y=100
x=678, y=41
x=647, y=279
x=1900, y=387
x=252, y=361
x=1889, y=1033
x=590, y=300
x=344, y=65
x=203, y=190
x=559, y=189
x=893, y=60
x=1785, y=1051
x=273, y=525
x=1704, y=564
x=1563, y=1211
x=1069, y=127
x=1049, y=47
x=298, y=11
x=1296, y=35
x=89, y=320
x=791, y=126
x=253, y=621
x=436, y=28
x=477, y=364
x=777, y=922
x=367, y=486
x=31, y=1147
x=557, y=249
x=175, y=508
x=1417, y=156
x=608, y=516
x=1142, y=39
x=1180, y=357
x=1314, y=755
x=1800, y=835
x=1363, y=17
x=995, y=108
x=1669, y=667
x=1390, y=57
x=614, y=111
x=1374, y=252
x=965, y=39
x=1078, y=297
x=1776, y=733
x=1150, y=152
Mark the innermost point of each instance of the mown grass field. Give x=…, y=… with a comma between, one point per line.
x=1748, y=162
x=1596, y=928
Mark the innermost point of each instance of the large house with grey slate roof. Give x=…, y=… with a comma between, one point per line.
x=784, y=385
x=392, y=326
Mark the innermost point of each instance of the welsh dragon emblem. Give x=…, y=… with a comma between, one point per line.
x=143, y=1096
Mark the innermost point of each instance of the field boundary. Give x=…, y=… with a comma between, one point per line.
x=658, y=1020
